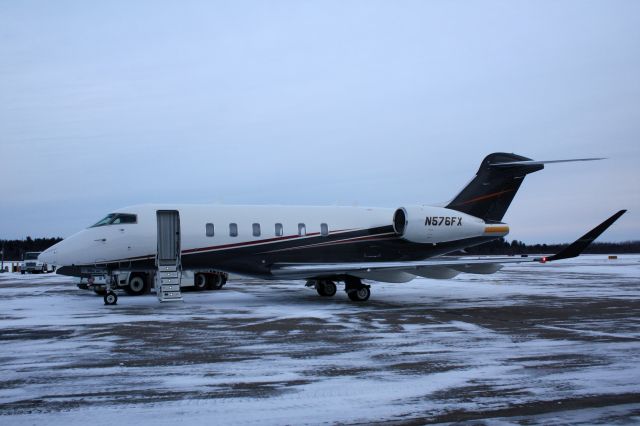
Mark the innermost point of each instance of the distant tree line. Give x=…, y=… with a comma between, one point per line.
x=15, y=249
x=515, y=247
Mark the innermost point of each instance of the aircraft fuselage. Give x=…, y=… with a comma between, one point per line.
x=249, y=239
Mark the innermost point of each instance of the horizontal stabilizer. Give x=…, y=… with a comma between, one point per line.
x=541, y=162
x=583, y=242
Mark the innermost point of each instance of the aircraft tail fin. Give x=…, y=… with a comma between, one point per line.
x=499, y=177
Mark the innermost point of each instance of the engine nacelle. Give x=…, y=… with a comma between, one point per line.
x=426, y=224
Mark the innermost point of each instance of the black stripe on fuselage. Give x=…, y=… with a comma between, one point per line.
x=318, y=248
x=256, y=257
x=379, y=244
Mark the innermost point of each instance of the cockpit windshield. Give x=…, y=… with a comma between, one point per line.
x=31, y=255
x=117, y=218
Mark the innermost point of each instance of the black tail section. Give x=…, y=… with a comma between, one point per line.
x=490, y=193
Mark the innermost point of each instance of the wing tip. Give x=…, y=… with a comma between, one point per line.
x=578, y=246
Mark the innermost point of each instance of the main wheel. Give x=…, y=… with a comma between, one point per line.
x=360, y=295
x=110, y=298
x=137, y=286
x=326, y=288
x=200, y=282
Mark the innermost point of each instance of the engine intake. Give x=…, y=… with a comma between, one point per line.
x=400, y=221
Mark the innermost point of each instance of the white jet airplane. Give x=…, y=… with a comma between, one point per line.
x=323, y=245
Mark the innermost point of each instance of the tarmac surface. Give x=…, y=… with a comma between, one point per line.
x=536, y=344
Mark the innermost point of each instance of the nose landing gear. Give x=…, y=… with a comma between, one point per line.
x=111, y=298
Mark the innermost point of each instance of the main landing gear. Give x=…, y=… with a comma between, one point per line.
x=326, y=288
x=355, y=289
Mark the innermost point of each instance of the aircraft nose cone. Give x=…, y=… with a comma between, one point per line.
x=71, y=251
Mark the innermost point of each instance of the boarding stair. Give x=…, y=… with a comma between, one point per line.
x=168, y=279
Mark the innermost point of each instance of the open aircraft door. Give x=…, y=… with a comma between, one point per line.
x=169, y=268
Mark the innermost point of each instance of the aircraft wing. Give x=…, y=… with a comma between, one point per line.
x=437, y=266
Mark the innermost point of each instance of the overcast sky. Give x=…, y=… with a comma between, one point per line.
x=108, y=104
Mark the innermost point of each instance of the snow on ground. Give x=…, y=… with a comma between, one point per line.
x=532, y=344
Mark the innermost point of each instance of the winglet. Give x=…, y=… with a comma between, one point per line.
x=583, y=242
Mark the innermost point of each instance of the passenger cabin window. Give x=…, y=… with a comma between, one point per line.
x=117, y=219
x=233, y=229
x=324, y=229
x=256, y=229
x=279, y=231
x=302, y=229
x=209, y=229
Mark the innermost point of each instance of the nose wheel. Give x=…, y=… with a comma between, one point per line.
x=111, y=298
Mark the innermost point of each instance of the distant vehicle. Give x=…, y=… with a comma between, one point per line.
x=32, y=265
x=140, y=282
x=322, y=245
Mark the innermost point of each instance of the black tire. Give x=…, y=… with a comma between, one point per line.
x=137, y=286
x=326, y=288
x=215, y=282
x=111, y=298
x=200, y=282
x=100, y=291
x=330, y=288
x=22, y=272
x=360, y=295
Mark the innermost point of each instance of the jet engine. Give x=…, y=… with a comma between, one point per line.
x=426, y=224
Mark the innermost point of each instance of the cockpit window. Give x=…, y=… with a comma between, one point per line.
x=117, y=218
x=107, y=220
x=124, y=218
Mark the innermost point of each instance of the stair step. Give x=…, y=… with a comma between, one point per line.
x=170, y=287
x=167, y=283
x=167, y=268
x=172, y=274
x=170, y=296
